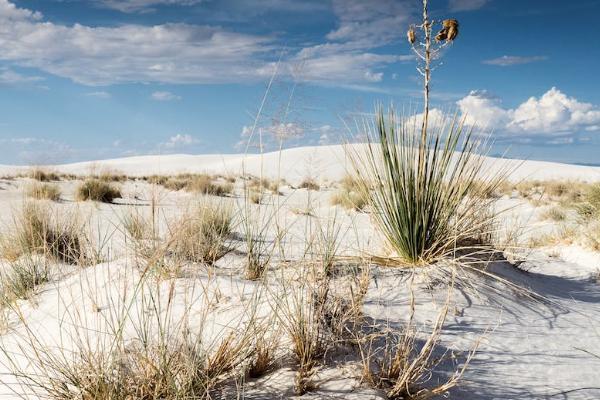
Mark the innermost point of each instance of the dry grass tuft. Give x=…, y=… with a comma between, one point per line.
x=200, y=183
x=309, y=184
x=555, y=213
x=21, y=277
x=350, y=200
x=202, y=233
x=394, y=361
x=255, y=197
x=166, y=359
x=97, y=190
x=205, y=185
x=350, y=195
x=137, y=226
x=263, y=360
x=43, y=191
x=39, y=230
x=43, y=175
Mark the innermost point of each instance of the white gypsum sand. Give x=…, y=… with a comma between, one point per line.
x=527, y=349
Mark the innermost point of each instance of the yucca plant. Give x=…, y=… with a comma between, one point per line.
x=426, y=180
x=425, y=195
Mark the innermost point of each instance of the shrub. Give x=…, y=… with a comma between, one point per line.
x=43, y=191
x=97, y=190
x=424, y=197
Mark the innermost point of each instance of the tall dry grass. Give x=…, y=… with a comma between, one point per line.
x=43, y=191
x=203, y=232
x=97, y=190
x=38, y=228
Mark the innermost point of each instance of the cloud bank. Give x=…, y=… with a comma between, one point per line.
x=552, y=114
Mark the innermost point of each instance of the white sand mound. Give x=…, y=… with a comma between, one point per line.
x=317, y=162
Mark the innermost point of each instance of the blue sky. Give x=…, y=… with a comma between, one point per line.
x=93, y=79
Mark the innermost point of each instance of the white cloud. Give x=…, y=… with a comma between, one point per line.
x=552, y=114
x=165, y=96
x=479, y=107
x=99, y=94
x=370, y=23
x=466, y=5
x=10, y=77
x=180, y=140
x=507, y=61
x=129, y=6
x=187, y=53
x=178, y=53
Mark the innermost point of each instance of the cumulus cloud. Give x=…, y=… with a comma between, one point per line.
x=165, y=96
x=180, y=140
x=507, y=61
x=184, y=53
x=189, y=53
x=178, y=53
x=552, y=114
x=466, y=5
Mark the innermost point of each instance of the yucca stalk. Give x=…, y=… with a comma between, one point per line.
x=424, y=195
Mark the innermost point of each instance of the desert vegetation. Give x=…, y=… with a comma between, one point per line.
x=43, y=191
x=97, y=190
x=386, y=285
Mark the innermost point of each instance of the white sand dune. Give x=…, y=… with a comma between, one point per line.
x=318, y=162
x=530, y=350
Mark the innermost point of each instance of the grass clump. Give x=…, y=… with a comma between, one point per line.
x=200, y=183
x=38, y=230
x=309, y=184
x=137, y=226
x=97, y=190
x=555, y=213
x=43, y=175
x=350, y=200
x=425, y=186
x=205, y=185
x=22, y=277
x=202, y=233
x=43, y=191
x=350, y=195
x=394, y=362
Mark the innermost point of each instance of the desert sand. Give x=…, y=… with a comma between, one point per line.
x=546, y=347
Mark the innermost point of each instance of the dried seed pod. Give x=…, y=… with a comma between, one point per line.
x=442, y=35
x=451, y=27
x=411, y=36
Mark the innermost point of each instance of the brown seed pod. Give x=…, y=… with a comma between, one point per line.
x=442, y=35
x=451, y=28
x=411, y=36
